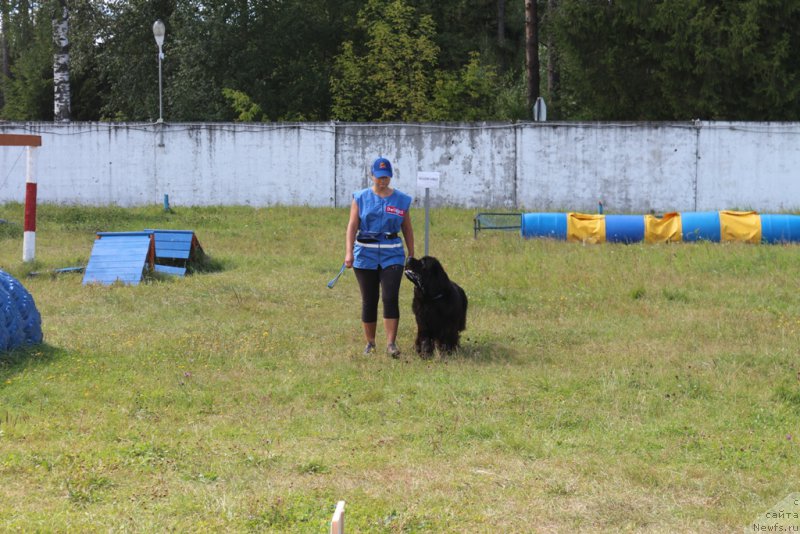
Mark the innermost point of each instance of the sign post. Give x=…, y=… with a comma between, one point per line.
x=427, y=180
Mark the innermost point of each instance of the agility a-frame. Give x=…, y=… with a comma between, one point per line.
x=30, y=142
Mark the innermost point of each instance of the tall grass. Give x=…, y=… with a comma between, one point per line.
x=600, y=388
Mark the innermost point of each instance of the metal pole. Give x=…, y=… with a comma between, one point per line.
x=158, y=32
x=160, y=103
x=427, y=218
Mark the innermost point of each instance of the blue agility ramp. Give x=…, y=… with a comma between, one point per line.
x=175, y=250
x=120, y=257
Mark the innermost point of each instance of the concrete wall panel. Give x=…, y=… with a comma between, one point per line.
x=476, y=162
x=630, y=168
x=749, y=166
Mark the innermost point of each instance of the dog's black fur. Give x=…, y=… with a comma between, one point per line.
x=439, y=305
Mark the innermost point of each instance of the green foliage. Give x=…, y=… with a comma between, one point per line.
x=28, y=94
x=392, y=79
x=469, y=95
x=407, y=60
x=128, y=60
x=511, y=99
x=243, y=105
x=679, y=60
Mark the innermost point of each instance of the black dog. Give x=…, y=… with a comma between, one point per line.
x=439, y=305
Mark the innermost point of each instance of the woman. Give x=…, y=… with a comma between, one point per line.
x=375, y=251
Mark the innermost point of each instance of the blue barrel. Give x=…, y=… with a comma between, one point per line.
x=780, y=228
x=544, y=225
x=624, y=228
x=700, y=226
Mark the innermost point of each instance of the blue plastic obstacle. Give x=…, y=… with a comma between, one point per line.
x=125, y=256
x=20, y=322
x=716, y=226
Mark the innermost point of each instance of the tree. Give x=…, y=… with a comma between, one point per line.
x=501, y=23
x=679, y=59
x=28, y=90
x=278, y=54
x=248, y=111
x=88, y=33
x=553, y=65
x=61, y=86
x=531, y=51
x=5, y=68
x=467, y=95
x=128, y=60
x=393, y=77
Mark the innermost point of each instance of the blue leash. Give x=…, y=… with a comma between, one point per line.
x=336, y=278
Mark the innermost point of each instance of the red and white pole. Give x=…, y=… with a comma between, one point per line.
x=30, y=142
x=29, y=237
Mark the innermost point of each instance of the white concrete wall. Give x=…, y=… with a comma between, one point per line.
x=749, y=166
x=630, y=167
x=476, y=161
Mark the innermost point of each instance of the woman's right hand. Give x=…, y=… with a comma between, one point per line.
x=348, y=260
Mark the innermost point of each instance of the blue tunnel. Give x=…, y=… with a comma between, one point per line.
x=20, y=321
x=715, y=226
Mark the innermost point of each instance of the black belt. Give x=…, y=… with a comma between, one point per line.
x=374, y=240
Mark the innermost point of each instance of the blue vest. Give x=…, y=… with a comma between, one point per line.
x=378, y=243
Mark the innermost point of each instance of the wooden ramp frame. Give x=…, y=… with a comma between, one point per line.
x=174, y=250
x=120, y=256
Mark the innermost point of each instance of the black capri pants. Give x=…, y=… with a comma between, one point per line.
x=387, y=282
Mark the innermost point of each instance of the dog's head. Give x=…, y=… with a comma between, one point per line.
x=427, y=274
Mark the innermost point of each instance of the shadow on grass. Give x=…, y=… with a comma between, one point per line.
x=206, y=264
x=15, y=361
x=480, y=351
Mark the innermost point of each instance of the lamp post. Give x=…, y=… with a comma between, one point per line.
x=158, y=32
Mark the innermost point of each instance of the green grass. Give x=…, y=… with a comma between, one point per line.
x=600, y=388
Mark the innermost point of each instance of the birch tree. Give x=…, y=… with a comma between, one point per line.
x=61, y=86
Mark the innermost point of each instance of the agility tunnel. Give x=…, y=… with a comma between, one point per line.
x=715, y=226
x=20, y=322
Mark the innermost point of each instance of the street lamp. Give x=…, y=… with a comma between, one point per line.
x=158, y=32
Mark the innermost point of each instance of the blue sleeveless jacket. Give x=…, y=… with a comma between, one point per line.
x=378, y=243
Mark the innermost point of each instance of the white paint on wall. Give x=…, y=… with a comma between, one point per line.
x=544, y=166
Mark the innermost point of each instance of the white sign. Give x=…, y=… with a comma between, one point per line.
x=428, y=180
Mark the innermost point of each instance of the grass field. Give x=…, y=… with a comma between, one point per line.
x=599, y=388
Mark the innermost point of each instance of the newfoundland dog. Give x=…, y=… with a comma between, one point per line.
x=439, y=305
